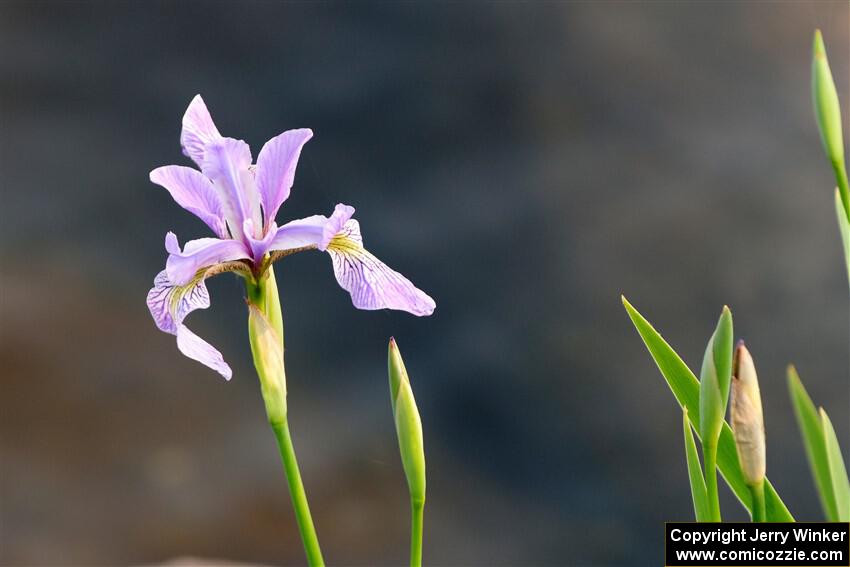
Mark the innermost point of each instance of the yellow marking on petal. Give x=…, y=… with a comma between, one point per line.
x=180, y=291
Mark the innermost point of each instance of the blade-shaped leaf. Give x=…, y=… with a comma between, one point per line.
x=844, y=226
x=698, y=490
x=837, y=470
x=811, y=428
x=685, y=388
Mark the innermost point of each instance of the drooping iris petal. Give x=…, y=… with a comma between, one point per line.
x=371, y=283
x=194, y=192
x=276, y=169
x=182, y=266
x=198, y=130
x=226, y=163
x=169, y=305
x=317, y=230
x=196, y=348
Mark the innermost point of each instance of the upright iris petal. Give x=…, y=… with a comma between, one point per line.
x=194, y=192
x=276, y=169
x=226, y=163
x=198, y=130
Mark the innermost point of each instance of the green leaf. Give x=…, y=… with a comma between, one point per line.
x=840, y=482
x=698, y=490
x=685, y=388
x=844, y=226
x=811, y=428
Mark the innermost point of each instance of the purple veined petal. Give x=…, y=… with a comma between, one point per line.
x=194, y=192
x=371, y=283
x=342, y=213
x=259, y=246
x=276, y=169
x=227, y=163
x=182, y=266
x=198, y=130
x=169, y=305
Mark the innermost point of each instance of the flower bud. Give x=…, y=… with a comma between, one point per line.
x=714, y=380
x=267, y=349
x=747, y=418
x=825, y=98
x=408, y=425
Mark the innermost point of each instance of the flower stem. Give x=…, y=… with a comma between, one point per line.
x=759, y=514
x=266, y=334
x=710, y=461
x=417, y=509
x=299, y=496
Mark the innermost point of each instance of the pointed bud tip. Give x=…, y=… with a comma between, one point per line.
x=741, y=351
x=742, y=363
x=818, y=48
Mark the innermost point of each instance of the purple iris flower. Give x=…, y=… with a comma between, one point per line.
x=239, y=200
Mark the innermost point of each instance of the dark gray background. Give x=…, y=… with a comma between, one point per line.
x=524, y=163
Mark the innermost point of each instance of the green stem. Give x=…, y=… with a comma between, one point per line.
x=264, y=295
x=299, y=496
x=417, y=510
x=710, y=461
x=759, y=514
x=843, y=188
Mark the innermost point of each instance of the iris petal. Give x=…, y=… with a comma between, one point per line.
x=276, y=169
x=198, y=130
x=226, y=163
x=196, y=348
x=183, y=265
x=371, y=283
x=299, y=233
x=259, y=246
x=194, y=192
x=342, y=213
x=169, y=305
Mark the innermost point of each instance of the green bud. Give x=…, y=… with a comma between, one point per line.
x=825, y=98
x=267, y=349
x=408, y=425
x=747, y=418
x=714, y=380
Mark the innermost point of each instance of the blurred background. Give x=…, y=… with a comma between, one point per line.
x=523, y=163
